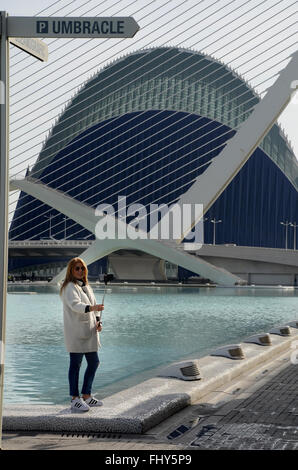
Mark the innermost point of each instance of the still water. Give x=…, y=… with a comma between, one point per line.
x=143, y=328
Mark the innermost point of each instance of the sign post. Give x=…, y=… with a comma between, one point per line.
x=22, y=32
x=32, y=46
x=4, y=116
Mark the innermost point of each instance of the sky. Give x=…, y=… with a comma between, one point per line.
x=253, y=37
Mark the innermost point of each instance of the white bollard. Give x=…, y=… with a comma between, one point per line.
x=185, y=370
x=281, y=330
x=232, y=351
x=262, y=338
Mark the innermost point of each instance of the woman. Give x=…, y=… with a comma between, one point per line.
x=81, y=327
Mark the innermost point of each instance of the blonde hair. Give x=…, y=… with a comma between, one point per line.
x=69, y=273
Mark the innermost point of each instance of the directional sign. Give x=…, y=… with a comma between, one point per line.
x=70, y=27
x=33, y=46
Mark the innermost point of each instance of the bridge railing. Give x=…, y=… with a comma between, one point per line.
x=35, y=243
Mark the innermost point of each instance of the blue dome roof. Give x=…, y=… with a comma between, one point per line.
x=164, y=79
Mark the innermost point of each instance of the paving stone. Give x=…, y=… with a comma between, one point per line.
x=266, y=420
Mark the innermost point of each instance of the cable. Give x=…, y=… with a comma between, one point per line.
x=68, y=42
x=229, y=82
x=80, y=111
x=217, y=137
x=138, y=170
x=174, y=75
x=126, y=46
x=240, y=95
x=153, y=172
x=116, y=165
x=208, y=95
x=161, y=121
x=92, y=41
x=242, y=5
x=171, y=182
x=52, y=14
x=17, y=155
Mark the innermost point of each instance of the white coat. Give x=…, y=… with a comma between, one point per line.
x=79, y=327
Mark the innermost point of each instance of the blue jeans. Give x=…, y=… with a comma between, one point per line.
x=74, y=370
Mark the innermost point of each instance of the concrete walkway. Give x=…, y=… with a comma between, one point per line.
x=257, y=411
x=263, y=416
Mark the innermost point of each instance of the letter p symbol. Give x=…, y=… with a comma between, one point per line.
x=42, y=27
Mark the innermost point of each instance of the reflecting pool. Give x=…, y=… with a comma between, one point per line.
x=143, y=329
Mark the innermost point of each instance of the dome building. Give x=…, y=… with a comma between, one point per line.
x=145, y=127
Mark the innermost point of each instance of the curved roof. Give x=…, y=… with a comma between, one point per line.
x=164, y=78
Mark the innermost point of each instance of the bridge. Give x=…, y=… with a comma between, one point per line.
x=255, y=265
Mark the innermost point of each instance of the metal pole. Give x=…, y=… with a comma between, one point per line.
x=294, y=225
x=4, y=123
x=214, y=221
x=286, y=224
x=50, y=221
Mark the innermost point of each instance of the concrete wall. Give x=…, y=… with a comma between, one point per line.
x=257, y=265
x=280, y=271
x=257, y=272
x=134, y=267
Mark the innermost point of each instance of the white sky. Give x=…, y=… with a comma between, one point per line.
x=39, y=91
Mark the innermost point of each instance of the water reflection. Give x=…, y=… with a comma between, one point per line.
x=143, y=329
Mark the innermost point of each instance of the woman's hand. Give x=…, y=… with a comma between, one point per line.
x=97, y=308
x=98, y=326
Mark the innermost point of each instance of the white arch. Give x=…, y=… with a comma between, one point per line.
x=85, y=216
x=210, y=184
